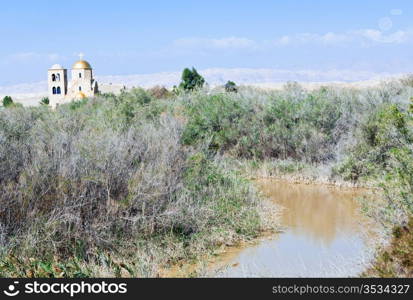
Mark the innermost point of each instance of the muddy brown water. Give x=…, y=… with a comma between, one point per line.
x=325, y=235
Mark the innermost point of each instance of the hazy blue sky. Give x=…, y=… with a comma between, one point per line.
x=135, y=37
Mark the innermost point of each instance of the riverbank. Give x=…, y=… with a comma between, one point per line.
x=396, y=258
x=128, y=184
x=324, y=234
x=126, y=200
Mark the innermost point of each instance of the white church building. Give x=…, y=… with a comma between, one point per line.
x=82, y=85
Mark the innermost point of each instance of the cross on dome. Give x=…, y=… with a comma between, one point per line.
x=82, y=84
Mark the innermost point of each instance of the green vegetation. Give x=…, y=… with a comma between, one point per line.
x=276, y=125
x=231, y=87
x=44, y=101
x=125, y=185
x=105, y=187
x=7, y=101
x=191, y=80
x=396, y=260
x=383, y=154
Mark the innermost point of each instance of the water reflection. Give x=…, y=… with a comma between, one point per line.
x=324, y=237
x=318, y=212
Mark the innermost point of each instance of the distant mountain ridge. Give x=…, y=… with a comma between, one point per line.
x=219, y=76
x=214, y=76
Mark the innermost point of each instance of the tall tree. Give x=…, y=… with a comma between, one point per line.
x=7, y=101
x=191, y=80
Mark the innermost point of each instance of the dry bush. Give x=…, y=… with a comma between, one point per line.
x=91, y=184
x=160, y=92
x=76, y=184
x=407, y=80
x=122, y=175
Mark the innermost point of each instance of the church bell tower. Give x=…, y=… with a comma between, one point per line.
x=57, y=82
x=82, y=84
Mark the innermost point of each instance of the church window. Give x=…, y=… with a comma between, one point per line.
x=58, y=77
x=58, y=90
x=80, y=88
x=80, y=75
x=54, y=90
x=53, y=77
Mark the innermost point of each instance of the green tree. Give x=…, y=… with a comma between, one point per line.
x=45, y=101
x=7, y=101
x=191, y=80
x=230, y=86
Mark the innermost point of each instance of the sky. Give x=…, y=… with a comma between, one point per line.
x=143, y=37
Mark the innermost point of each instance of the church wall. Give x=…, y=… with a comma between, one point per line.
x=70, y=90
x=59, y=84
x=84, y=81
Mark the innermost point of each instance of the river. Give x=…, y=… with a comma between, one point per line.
x=325, y=235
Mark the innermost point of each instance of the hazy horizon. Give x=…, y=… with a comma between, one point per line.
x=214, y=77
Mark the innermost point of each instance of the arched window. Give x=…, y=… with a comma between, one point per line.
x=53, y=77
x=80, y=88
x=58, y=90
x=80, y=75
x=54, y=90
x=58, y=77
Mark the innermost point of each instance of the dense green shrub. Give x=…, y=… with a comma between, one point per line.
x=191, y=80
x=45, y=101
x=215, y=118
x=384, y=131
x=131, y=106
x=141, y=179
x=7, y=101
x=76, y=184
x=231, y=87
x=275, y=126
x=398, y=180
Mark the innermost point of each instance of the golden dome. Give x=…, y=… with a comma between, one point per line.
x=80, y=96
x=81, y=64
